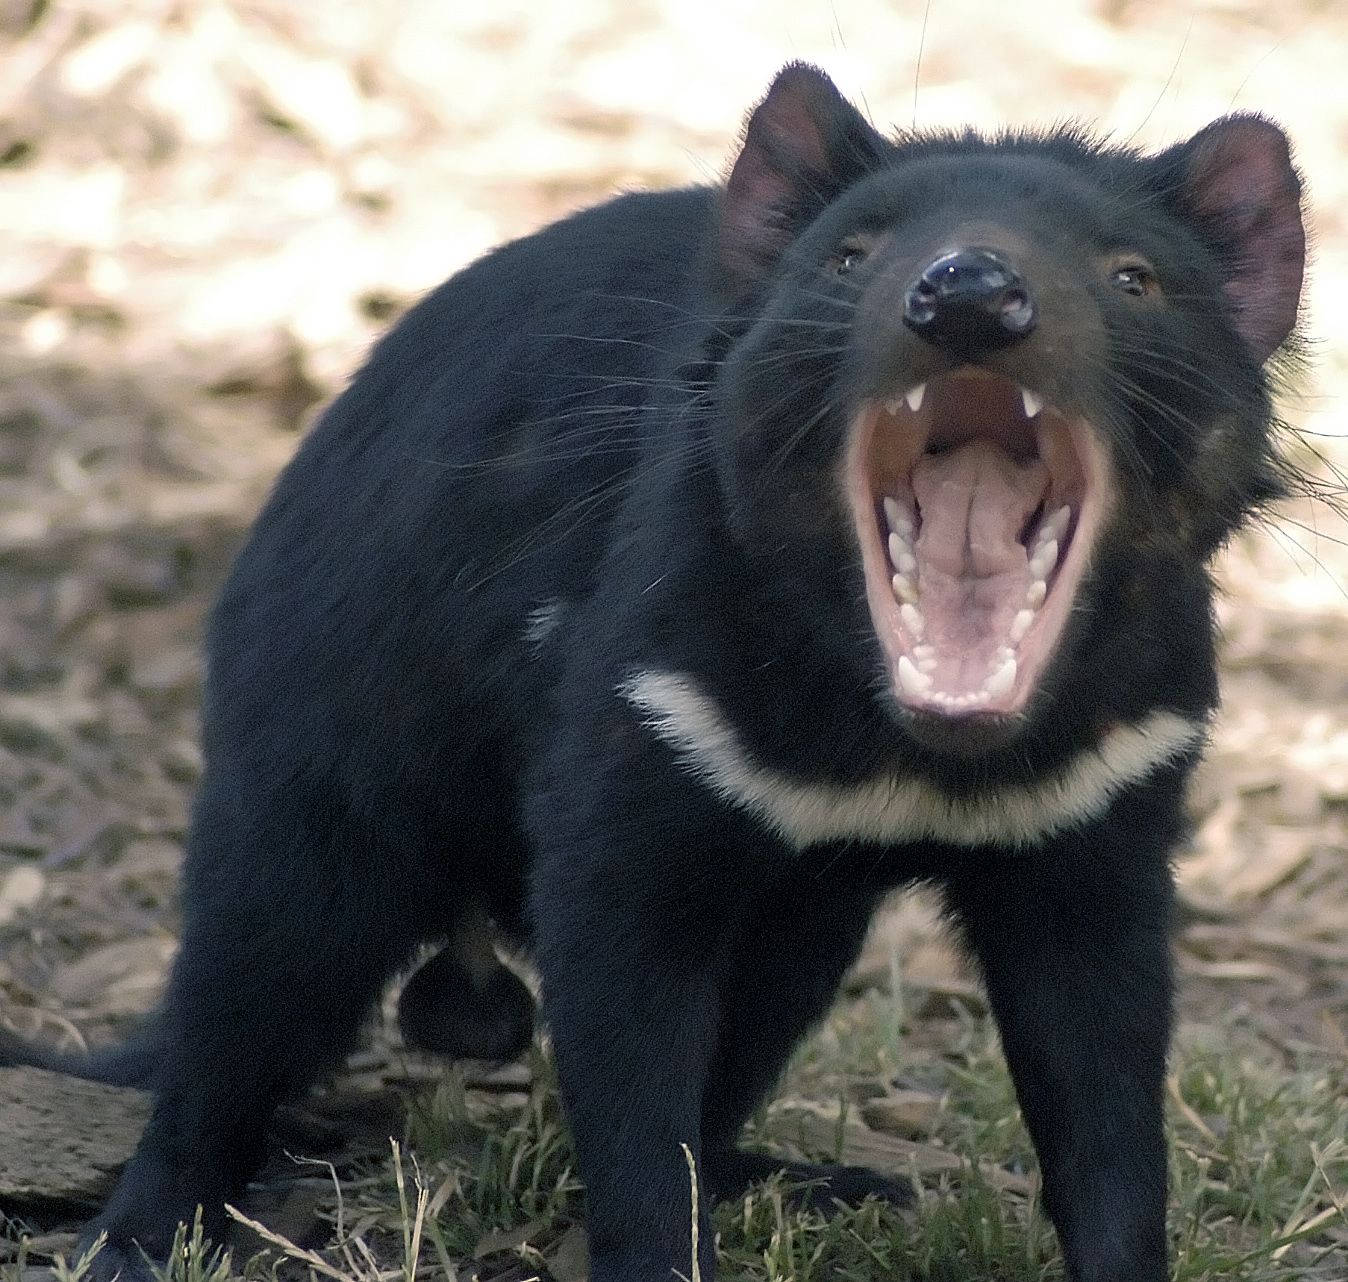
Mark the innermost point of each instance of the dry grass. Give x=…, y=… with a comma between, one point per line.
x=1259, y=1152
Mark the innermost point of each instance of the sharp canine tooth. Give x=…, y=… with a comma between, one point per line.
x=912, y=620
x=1034, y=598
x=1001, y=681
x=1044, y=559
x=912, y=681
x=904, y=589
x=898, y=519
x=914, y=396
x=1020, y=625
x=1033, y=404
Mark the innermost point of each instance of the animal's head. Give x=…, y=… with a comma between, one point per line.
x=1007, y=384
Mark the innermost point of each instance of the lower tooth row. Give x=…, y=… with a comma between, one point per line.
x=915, y=672
x=961, y=700
x=915, y=681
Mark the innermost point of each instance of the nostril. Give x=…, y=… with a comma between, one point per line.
x=920, y=303
x=1017, y=311
x=971, y=299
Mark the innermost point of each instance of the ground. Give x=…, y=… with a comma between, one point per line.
x=211, y=207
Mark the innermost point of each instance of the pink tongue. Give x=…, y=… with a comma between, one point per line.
x=973, y=571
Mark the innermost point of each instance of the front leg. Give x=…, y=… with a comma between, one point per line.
x=779, y=979
x=632, y=1035
x=1073, y=941
x=632, y=904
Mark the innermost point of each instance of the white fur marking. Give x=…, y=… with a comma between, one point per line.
x=541, y=623
x=893, y=809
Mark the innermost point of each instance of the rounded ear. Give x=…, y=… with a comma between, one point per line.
x=1236, y=181
x=804, y=144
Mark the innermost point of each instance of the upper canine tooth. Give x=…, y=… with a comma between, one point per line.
x=914, y=396
x=1033, y=403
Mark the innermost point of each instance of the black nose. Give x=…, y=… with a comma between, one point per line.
x=971, y=300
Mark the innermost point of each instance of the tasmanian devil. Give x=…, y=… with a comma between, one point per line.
x=677, y=581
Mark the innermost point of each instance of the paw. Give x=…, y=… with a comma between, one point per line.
x=158, y=1208
x=116, y=1261
x=810, y=1186
x=831, y=1183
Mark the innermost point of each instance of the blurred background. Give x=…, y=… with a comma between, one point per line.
x=210, y=208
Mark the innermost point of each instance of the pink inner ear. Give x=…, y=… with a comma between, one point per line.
x=785, y=159
x=753, y=230
x=1241, y=183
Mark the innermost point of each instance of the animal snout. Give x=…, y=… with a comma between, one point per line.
x=971, y=300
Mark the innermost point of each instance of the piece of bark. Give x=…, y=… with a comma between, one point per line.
x=64, y=1139
x=911, y=1115
x=815, y=1130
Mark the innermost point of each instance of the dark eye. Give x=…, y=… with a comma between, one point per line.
x=1136, y=279
x=849, y=254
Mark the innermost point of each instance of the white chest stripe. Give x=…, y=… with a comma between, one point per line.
x=893, y=809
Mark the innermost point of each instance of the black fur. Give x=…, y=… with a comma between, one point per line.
x=610, y=447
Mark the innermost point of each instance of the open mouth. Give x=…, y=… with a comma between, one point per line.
x=976, y=506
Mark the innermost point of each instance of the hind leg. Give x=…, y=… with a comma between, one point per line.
x=294, y=916
x=464, y=1003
